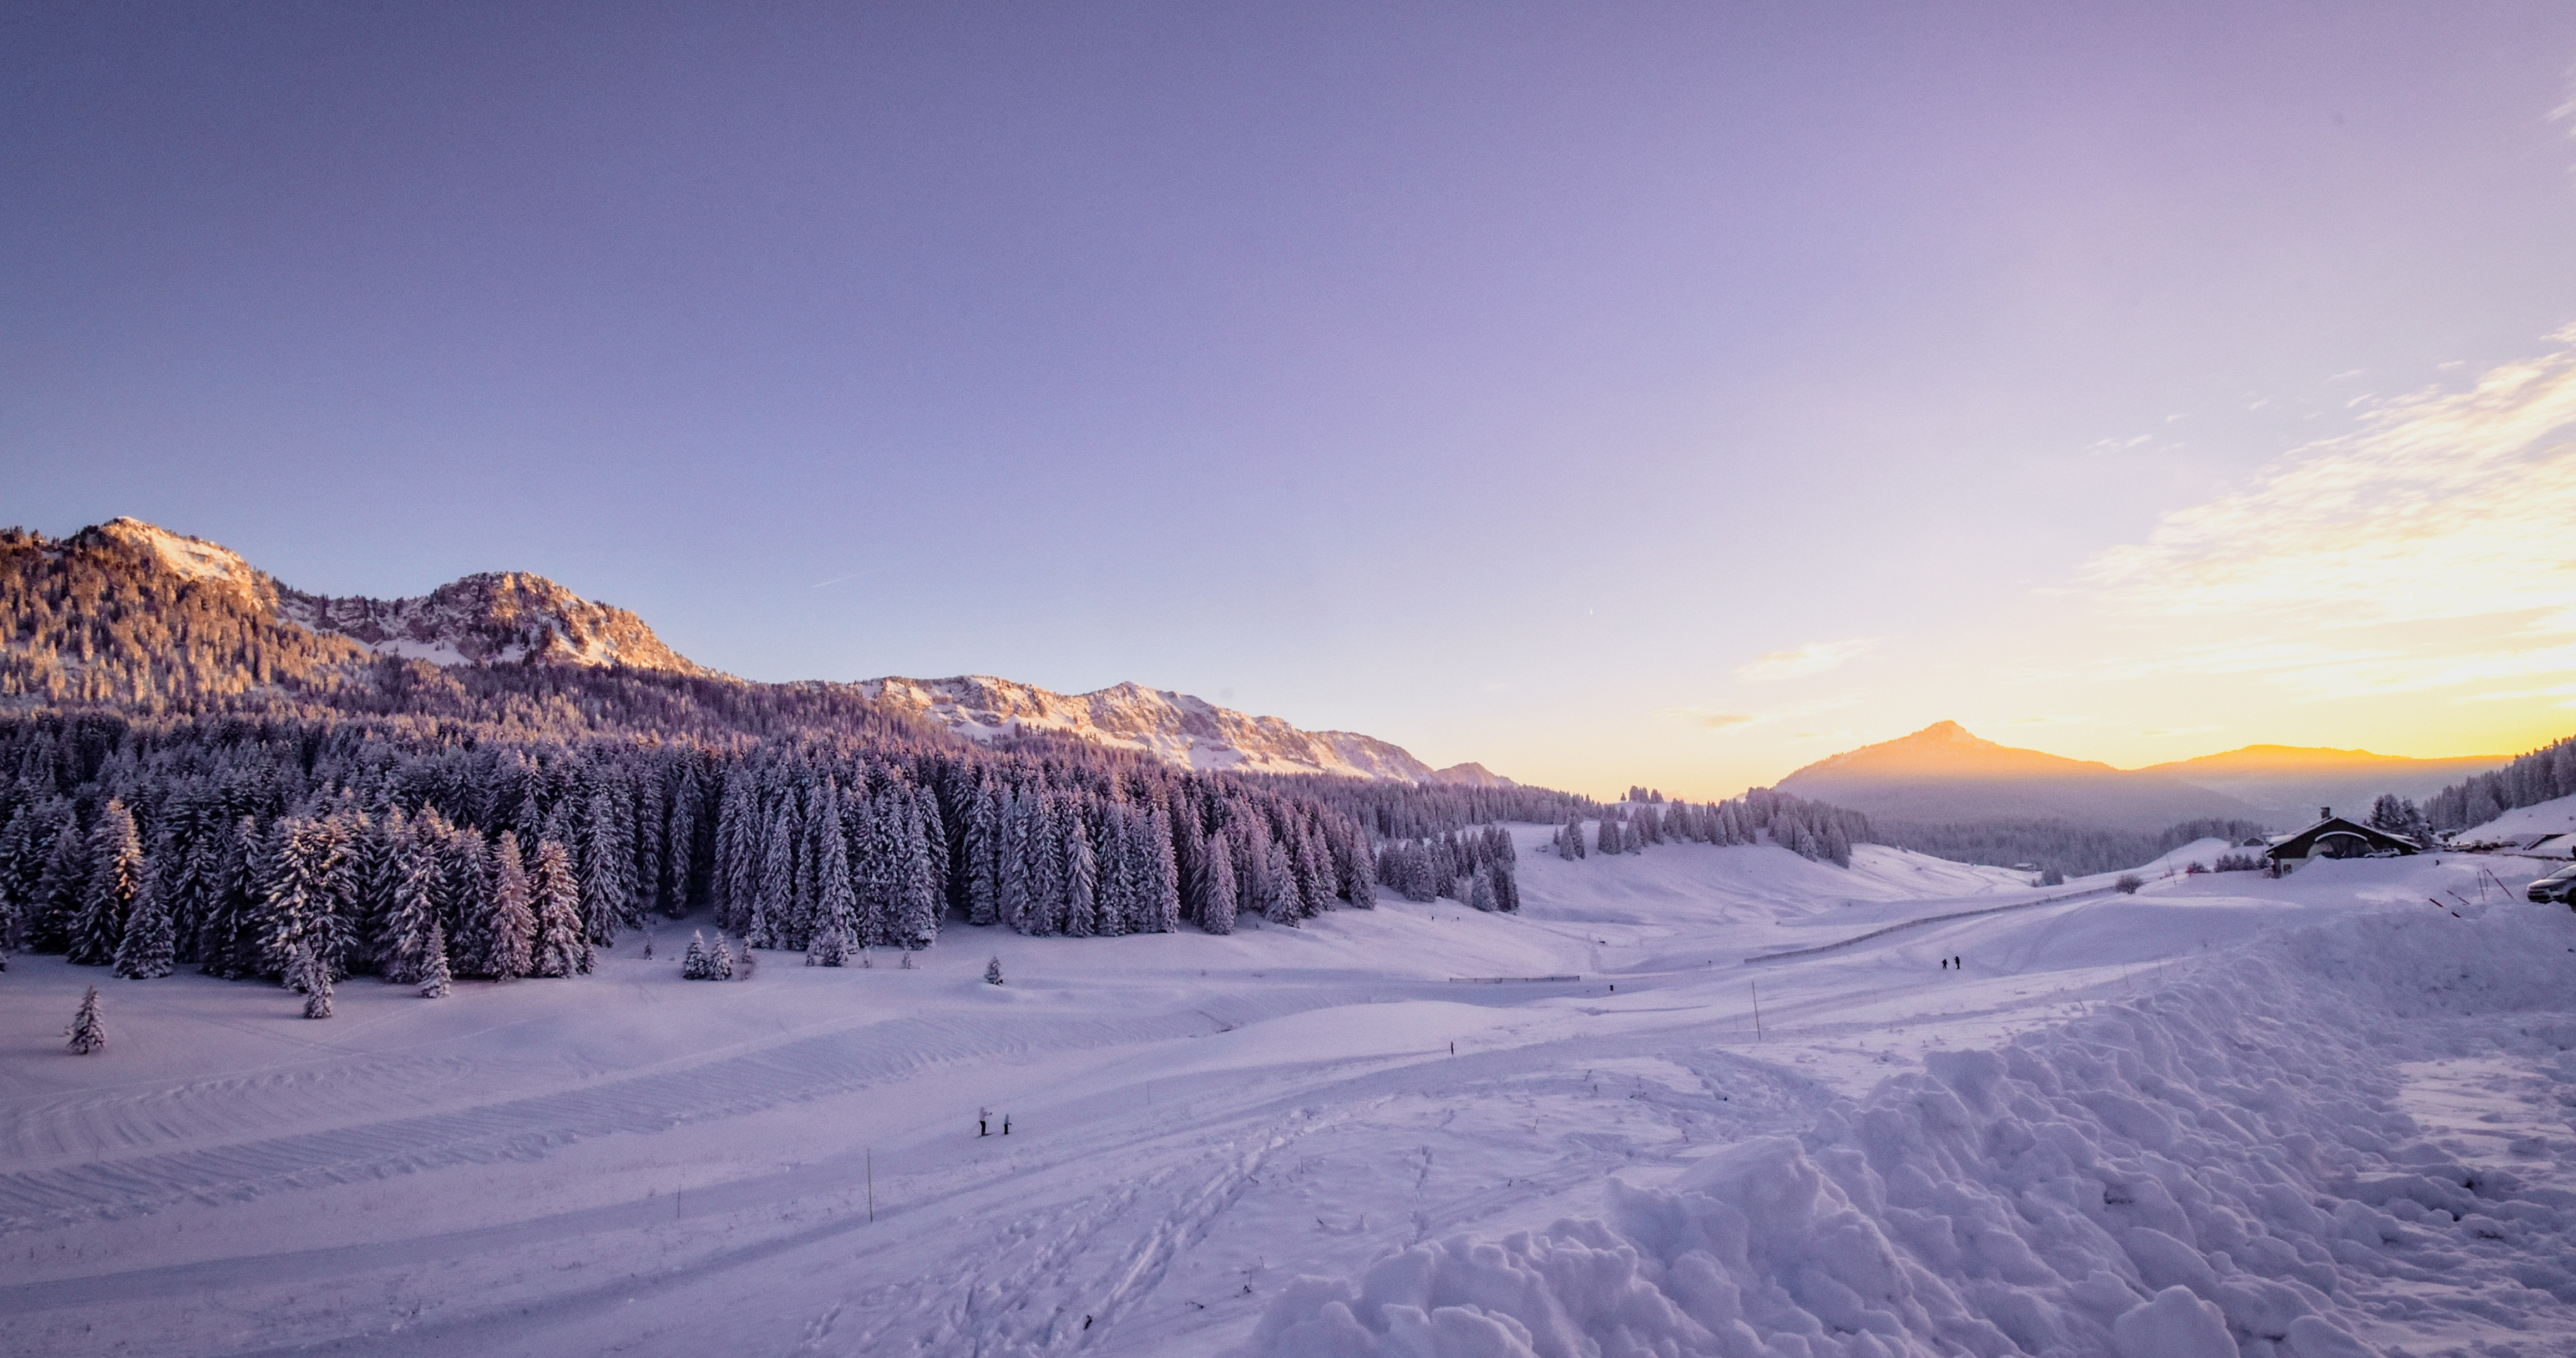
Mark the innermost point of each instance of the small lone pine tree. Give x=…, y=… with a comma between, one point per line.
x=993, y=971
x=695, y=965
x=720, y=966
x=433, y=969
x=907, y=961
x=87, y=1033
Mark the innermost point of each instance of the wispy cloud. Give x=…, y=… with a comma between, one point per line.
x=1815, y=657
x=1710, y=719
x=2447, y=511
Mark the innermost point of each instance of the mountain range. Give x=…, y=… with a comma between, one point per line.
x=202, y=621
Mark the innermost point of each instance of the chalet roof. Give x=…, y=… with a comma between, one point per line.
x=2303, y=843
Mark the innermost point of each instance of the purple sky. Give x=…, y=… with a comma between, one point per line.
x=1505, y=382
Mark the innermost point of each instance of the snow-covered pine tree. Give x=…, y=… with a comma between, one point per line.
x=607, y=866
x=563, y=948
x=1217, y=914
x=1013, y=865
x=993, y=970
x=118, y=873
x=509, y=945
x=696, y=965
x=228, y=942
x=299, y=891
x=1162, y=874
x=149, y=949
x=1081, y=878
x=317, y=983
x=1279, y=877
x=1047, y=887
x=776, y=900
x=682, y=857
x=829, y=947
x=916, y=915
x=983, y=855
x=62, y=886
x=740, y=830
x=836, y=925
x=434, y=980
x=1118, y=880
x=720, y=962
x=382, y=856
x=1480, y=890
x=409, y=904
x=88, y=1032
x=1189, y=857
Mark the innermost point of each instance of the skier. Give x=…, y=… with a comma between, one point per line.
x=983, y=1117
x=1006, y=1124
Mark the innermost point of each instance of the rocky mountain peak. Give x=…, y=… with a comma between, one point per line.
x=497, y=617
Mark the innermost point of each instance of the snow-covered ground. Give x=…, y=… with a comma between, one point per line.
x=2554, y=817
x=2322, y=1115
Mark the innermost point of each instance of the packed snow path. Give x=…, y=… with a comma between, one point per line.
x=2274, y=1116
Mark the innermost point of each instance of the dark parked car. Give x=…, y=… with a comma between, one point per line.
x=2557, y=888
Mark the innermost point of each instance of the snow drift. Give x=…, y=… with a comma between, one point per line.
x=2221, y=1168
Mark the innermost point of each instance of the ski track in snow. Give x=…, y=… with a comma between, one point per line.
x=628, y=1163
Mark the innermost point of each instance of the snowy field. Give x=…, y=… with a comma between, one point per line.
x=2326, y=1115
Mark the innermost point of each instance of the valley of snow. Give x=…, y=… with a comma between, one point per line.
x=2322, y=1115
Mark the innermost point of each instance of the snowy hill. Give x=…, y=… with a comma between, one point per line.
x=500, y=617
x=1175, y=727
x=2554, y=817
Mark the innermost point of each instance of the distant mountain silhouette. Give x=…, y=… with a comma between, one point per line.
x=1944, y=775
x=2289, y=782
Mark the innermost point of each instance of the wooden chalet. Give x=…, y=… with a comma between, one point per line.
x=2335, y=837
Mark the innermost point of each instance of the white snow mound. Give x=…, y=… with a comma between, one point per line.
x=2221, y=1168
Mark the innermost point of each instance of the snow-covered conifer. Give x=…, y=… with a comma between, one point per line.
x=1217, y=915
x=993, y=970
x=409, y=904
x=148, y=950
x=88, y=1032
x=720, y=962
x=1278, y=878
x=62, y=886
x=1162, y=874
x=563, y=948
x=434, y=980
x=607, y=866
x=317, y=980
x=509, y=948
x=1013, y=864
x=118, y=874
x=696, y=965
x=1081, y=879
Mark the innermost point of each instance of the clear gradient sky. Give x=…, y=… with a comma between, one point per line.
x=1627, y=393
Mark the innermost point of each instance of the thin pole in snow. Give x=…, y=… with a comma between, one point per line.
x=1757, y=1011
x=872, y=1184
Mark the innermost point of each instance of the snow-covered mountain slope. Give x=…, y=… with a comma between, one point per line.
x=189, y=558
x=1175, y=727
x=494, y=617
